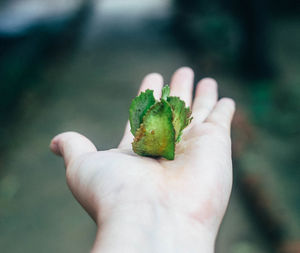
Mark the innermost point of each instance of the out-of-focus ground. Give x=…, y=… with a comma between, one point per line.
x=89, y=90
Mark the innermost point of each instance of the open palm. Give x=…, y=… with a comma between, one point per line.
x=196, y=184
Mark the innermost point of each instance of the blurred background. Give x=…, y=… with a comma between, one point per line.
x=76, y=65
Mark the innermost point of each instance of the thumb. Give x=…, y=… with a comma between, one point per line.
x=70, y=145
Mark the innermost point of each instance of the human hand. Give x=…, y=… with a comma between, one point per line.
x=134, y=199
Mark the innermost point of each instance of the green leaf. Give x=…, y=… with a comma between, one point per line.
x=156, y=135
x=165, y=92
x=138, y=108
x=181, y=115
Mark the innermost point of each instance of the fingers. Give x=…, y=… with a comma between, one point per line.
x=153, y=82
x=205, y=99
x=70, y=145
x=182, y=84
x=223, y=113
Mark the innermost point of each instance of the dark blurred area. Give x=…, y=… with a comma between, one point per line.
x=76, y=65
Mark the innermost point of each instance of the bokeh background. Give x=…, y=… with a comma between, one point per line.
x=76, y=65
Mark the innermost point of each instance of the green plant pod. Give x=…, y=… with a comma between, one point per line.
x=155, y=137
x=157, y=125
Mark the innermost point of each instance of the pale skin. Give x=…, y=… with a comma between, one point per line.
x=141, y=204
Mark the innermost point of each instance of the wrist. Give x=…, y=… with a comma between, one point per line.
x=148, y=228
